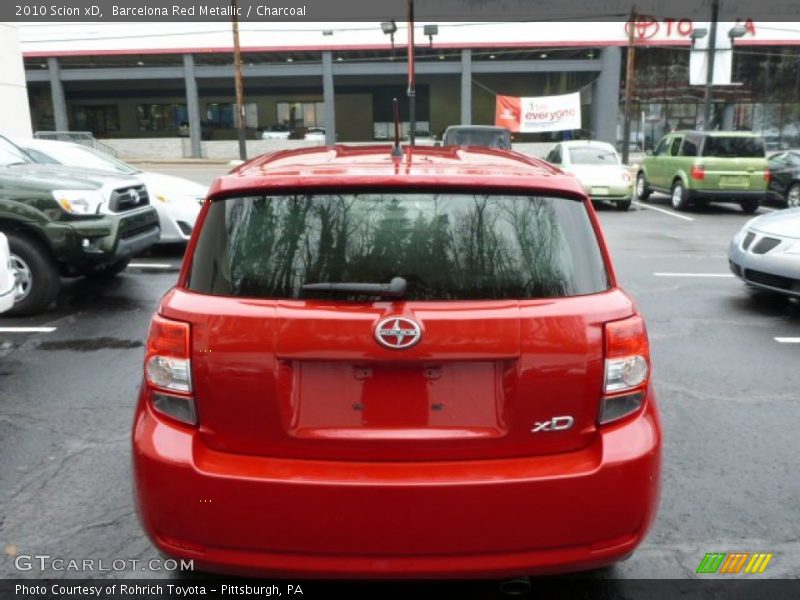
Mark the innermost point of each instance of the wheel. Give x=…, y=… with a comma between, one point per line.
x=680, y=198
x=793, y=195
x=623, y=205
x=37, y=277
x=749, y=206
x=642, y=192
x=108, y=271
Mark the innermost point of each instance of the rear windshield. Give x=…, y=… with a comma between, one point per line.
x=734, y=147
x=479, y=137
x=593, y=155
x=453, y=246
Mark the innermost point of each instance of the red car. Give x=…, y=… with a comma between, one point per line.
x=378, y=366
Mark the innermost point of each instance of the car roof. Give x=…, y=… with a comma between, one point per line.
x=36, y=143
x=476, y=127
x=585, y=143
x=374, y=166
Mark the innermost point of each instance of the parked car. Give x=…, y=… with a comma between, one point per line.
x=8, y=279
x=417, y=346
x=784, y=182
x=477, y=135
x=276, y=132
x=597, y=166
x=177, y=200
x=708, y=166
x=61, y=223
x=315, y=133
x=765, y=253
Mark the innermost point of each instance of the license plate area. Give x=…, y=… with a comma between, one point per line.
x=734, y=181
x=599, y=191
x=336, y=400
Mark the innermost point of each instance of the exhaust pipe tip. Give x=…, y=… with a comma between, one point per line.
x=518, y=586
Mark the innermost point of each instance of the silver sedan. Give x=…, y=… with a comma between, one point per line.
x=765, y=254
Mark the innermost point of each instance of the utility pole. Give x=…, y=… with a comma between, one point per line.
x=237, y=65
x=412, y=94
x=712, y=51
x=629, y=77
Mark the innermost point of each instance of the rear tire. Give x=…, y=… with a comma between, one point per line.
x=623, y=205
x=642, y=191
x=680, y=197
x=749, y=206
x=38, y=279
x=793, y=195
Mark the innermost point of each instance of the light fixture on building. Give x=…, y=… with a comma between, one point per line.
x=737, y=32
x=441, y=57
x=543, y=55
x=290, y=59
x=389, y=28
x=339, y=59
x=140, y=63
x=430, y=31
x=698, y=33
x=492, y=57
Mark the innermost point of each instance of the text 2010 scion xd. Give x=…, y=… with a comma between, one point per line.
x=381, y=366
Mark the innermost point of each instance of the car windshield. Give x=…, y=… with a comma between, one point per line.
x=11, y=154
x=593, y=155
x=479, y=137
x=734, y=147
x=73, y=155
x=447, y=246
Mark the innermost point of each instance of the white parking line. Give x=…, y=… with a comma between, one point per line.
x=666, y=212
x=693, y=274
x=150, y=266
x=27, y=329
x=792, y=340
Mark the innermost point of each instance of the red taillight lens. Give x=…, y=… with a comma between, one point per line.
x=627, y=368
x=767, y=175
x=698, y=172
x=168, y=338
x=167, y=367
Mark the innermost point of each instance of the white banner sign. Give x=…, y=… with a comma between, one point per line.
x=545, y=113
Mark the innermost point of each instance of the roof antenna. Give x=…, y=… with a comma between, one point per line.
x=396, y=150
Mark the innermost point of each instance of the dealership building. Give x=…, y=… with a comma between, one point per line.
x=170, y=80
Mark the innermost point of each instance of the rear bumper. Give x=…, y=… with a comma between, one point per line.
x=463, y=519
x=727, y=195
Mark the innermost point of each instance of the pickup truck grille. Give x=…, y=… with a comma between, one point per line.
x=128, y=198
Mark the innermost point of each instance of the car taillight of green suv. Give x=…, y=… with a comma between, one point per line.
x=698, y=167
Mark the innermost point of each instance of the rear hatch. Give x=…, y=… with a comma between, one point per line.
x=733, y=163
x=509, y=292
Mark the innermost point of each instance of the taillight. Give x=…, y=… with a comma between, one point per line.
x=698, y=172
x=767, y=175
x=167, y=368
x=627, y=368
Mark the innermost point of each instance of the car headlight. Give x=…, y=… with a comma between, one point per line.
x=79, y=202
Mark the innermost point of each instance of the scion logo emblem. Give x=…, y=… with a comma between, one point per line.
x=398, y=333
x=134, y=196
x=554, y=424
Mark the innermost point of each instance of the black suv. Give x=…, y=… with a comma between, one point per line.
x=63, y=221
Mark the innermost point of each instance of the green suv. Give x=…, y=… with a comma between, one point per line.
x=714, y=166
x=67, y=222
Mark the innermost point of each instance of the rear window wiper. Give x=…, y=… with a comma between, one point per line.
x=396, y=288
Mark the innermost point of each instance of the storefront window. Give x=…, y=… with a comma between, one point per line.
x=97, y=119
x=301, y=114
x=161, y=117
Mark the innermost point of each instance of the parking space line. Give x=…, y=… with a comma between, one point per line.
x=27, y=329
x=788, y=340
x=151, y=266
x=693, y=274
x=662, y=210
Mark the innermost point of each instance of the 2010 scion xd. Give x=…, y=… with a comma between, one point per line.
x=382, y=366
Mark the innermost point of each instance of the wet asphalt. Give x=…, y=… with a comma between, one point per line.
x=728, y=393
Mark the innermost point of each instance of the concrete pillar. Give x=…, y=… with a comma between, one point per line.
x=466, y=86
x=193, y=106
x=57, y=94
x=328, y=98
x=605, y=97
